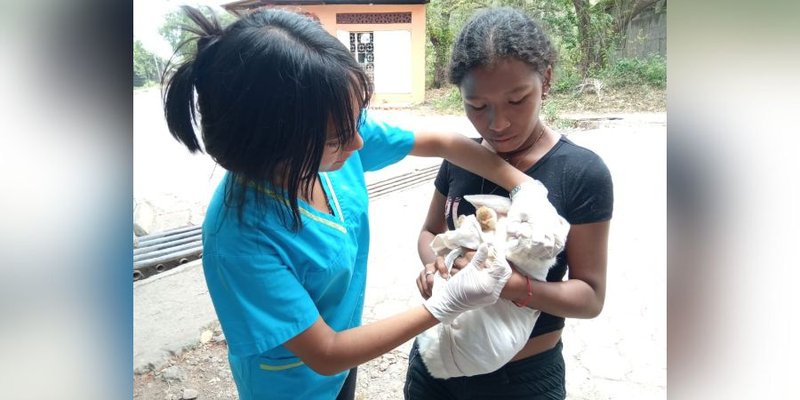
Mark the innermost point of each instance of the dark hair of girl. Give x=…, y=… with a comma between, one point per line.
x=268, y=89
x=496, y=33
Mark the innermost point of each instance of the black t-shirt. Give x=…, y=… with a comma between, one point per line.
x=579, y=187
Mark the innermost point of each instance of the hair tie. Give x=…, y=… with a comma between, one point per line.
x=204, y=42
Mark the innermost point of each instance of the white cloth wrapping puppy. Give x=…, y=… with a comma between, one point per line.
x=483, y=340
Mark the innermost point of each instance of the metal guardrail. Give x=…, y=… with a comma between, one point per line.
x=162, y=251
x=401, y=182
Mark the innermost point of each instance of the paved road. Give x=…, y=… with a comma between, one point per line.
x=622, y=353
x=619, y=355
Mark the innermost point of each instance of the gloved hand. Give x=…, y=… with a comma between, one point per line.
x=533, y=223
x=477, y=285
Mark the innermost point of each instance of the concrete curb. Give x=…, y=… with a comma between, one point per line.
x=170, y=311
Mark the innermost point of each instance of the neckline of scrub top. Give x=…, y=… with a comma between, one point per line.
x=330, y=194
x=334, y=221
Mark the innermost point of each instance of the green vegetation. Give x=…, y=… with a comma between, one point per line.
x=146, y=66
x=447, y=100
x=588, y=34
x=173, y=29
x=633, y=71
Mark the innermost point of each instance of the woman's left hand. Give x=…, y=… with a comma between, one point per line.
x=425, y=278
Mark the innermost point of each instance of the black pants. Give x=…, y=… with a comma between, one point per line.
x=540, y=377
x=348, y=391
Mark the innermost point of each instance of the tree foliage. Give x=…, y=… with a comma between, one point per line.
x=586, y=33
x=146, y=65
x=444, y=19
x=623, y=11
x=173, y=29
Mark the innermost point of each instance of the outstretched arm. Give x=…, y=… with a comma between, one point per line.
x=470, y=155
x=329, y=352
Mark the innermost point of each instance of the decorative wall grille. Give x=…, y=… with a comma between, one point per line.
x=374, y=18
x=362, y=47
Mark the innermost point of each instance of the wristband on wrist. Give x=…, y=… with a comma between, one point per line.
x=527, y=299
x=516, y=189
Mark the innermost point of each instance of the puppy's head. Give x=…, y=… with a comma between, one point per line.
x=487, y=218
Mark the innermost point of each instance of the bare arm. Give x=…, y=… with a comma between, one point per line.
x=434, y=224
x=328, y=352
x=583, y=294
x=468, y=154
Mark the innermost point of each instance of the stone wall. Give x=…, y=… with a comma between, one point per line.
x=646, y=34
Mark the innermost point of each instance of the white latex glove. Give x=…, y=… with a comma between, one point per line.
x=534, y=224
x=477, y=285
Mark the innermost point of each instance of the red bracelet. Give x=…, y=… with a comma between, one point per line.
x=527, y=298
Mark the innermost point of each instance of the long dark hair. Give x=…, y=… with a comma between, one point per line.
x=268, y=87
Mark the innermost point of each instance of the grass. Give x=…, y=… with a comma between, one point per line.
x=650, y=71
x=614, y=99
x=445, y=101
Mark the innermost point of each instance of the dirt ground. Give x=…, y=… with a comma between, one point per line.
x=203, y=373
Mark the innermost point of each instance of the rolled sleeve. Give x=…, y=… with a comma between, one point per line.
x=384, y=144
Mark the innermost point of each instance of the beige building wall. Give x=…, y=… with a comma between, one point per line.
x=327, y=15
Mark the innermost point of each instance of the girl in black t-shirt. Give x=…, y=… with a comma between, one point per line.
x=502, y=63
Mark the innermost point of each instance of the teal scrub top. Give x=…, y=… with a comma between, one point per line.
x=269, y=284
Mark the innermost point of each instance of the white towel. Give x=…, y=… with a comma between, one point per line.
x=483, y=340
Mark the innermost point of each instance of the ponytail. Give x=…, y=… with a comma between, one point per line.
x=208, y=30
x=179, y=106
x=178, y=89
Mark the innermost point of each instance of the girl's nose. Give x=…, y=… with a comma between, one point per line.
x=356, y=144
x=498, y=121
